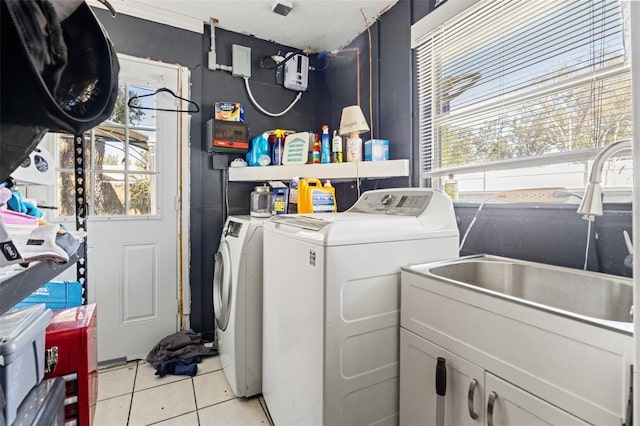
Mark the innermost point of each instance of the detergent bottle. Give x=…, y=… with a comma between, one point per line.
x=313, y=197
x=278, y=147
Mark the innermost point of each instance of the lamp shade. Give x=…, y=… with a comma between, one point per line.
x=353, y=120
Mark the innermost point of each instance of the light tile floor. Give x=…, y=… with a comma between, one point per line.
x=132, y=395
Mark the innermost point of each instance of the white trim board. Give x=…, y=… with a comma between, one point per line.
x=144, y=11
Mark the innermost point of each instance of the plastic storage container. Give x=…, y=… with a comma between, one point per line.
x=43, y=406
x=261, y=200
x=22, y=335
x=55, y=295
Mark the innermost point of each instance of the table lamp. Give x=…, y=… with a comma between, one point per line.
x=353, y=123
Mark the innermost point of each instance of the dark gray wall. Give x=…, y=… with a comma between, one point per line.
x=550, y=234
x=391, y=94
x=145, y=39
x=309, y=113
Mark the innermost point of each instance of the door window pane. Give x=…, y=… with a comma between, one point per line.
x=66, y=194
x=142, y=152
x=142, y=117
x=109, y=196
x=125, y=115
x=109, y=150
x=120, y=108
x=141, y=200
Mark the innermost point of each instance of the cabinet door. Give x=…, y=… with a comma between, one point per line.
x=418, y=399
x=507, y=404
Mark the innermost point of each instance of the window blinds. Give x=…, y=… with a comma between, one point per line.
x=522, y=81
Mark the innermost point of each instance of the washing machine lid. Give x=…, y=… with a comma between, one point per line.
x=378, y=216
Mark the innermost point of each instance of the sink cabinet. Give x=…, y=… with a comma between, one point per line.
x=418, y=399
x=507, y=404
x=523, y=366
x=474, y=396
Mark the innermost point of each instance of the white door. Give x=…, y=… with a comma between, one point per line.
x=133, y=191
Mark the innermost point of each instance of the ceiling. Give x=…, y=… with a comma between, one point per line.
x=316, y=25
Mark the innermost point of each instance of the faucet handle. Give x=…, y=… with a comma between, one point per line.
x=628, y=260
x=627, y=241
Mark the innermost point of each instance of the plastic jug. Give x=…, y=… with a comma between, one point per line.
x=261, y=201
x=313, y=197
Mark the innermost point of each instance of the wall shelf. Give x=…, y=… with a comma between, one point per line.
x=342, y=171
x=20, y=284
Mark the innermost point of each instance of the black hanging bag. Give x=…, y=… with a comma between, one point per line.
x=56, y=75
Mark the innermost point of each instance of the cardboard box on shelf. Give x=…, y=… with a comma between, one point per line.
x=376, y=150
x=229, y=111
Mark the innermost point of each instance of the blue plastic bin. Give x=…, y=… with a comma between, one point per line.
x=55, y=295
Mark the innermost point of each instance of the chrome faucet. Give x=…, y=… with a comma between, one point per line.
x=591, y=204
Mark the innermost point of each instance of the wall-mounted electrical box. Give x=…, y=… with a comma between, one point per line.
x=227, y=136
x=296, y=72
x=241, y=59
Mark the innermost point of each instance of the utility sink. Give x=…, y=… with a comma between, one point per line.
x=564, y=335
x=566, y=291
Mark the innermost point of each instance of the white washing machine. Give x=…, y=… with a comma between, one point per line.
x=332, y=304
x=237, y=303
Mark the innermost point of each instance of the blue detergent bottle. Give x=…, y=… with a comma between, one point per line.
x=326, y=145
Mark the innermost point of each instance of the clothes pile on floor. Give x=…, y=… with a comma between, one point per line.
x=179, y=353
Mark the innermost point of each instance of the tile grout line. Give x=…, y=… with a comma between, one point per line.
x=135, y=378
x=195, y=400
x=174, y=417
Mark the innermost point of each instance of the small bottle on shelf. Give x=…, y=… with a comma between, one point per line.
x=316, y=149
x=326, y=145
x=451, y=187
x=336, y=147
x=278, y=147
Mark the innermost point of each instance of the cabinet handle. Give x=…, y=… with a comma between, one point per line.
x=492, y=401
x=473, y=384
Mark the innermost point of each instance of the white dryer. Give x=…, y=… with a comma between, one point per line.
x=332, y=303
x=237, y=303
